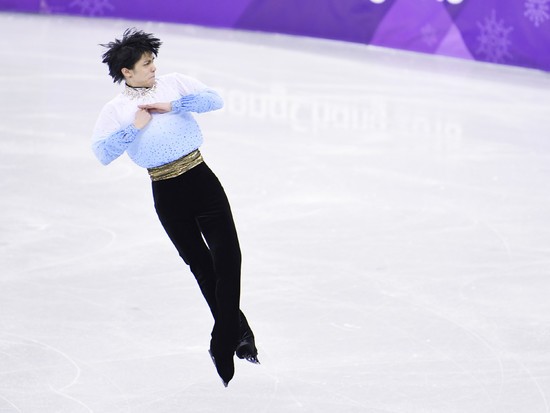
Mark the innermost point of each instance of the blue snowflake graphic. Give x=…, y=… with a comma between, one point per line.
x=92, y=7
x=494, y=42
x=429, y=34
x=537, y=11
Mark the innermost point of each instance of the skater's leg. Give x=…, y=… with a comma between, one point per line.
x=187, y=238
x=176, y=211
x=219, y=232
x=216, y=224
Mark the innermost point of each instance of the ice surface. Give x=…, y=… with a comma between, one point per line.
x=393, y=211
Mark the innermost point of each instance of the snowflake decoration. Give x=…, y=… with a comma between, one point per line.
x=493, y=39
x=537, y=11
x=429, y=34
x=92, y=7
x=44, y=7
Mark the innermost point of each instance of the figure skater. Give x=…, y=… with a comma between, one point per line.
x=151, y=121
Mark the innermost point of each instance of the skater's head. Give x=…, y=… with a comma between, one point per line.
x=132, y=56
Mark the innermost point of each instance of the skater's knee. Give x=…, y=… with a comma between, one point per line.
x=195, y=256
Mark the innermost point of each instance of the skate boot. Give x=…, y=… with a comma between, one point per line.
x=222, y=349
x=246, y=347
x=224, y=366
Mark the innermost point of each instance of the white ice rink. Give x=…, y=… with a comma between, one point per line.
x=393, y=211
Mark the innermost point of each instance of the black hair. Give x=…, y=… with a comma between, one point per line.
x=125, y=53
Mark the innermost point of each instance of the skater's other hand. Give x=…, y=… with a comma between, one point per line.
x=143, y=117
x=158, y=107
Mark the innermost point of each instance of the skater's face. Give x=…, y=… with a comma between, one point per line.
x=143, y=72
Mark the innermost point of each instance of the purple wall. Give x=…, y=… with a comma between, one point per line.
x=513, y=32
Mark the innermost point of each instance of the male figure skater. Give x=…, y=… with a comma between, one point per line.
x=151, y=121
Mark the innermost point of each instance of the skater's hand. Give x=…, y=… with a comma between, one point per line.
x=143, y=117
x=158, y=107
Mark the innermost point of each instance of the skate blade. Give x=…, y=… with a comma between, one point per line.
x=253, y=359
x=245, y=352
x=249, y=358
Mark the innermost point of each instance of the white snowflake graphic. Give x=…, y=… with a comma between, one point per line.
x=537, y=11
x=493, y=39
x=429, y=34
x=92, y=7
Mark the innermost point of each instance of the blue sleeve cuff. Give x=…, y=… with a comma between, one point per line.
x=114, y=145
x=204, y=101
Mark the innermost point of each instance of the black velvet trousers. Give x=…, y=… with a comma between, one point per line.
x=194, y=210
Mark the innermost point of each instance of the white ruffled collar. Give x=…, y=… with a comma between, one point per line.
x=138, y=92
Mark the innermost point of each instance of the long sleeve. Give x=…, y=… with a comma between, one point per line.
x=204, y=101
x=114, y=145
x=168, y=136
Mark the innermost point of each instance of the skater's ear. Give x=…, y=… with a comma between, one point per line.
x=126, y=72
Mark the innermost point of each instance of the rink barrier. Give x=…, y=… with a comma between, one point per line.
x=505, y=32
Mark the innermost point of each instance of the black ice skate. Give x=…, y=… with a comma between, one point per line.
x=224, y=367
x=246, y=348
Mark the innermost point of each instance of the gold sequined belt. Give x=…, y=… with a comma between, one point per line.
x=175, y=168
